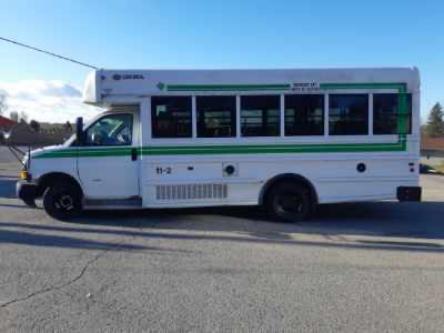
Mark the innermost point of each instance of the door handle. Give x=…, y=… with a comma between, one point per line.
x=133, y=154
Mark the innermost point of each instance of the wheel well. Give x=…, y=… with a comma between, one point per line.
x=52, y=178
x=288, y=177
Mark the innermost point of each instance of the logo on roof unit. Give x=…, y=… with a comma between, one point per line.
x=161, y=86
x=118, y=77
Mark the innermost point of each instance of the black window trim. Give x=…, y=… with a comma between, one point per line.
x=195, y=116
x=369, y=112
x=280, y=115
x=325, y=114
x=282, y=133
x=162, y=139
x=409, y=117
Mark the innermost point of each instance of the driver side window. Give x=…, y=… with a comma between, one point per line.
x=112, y=130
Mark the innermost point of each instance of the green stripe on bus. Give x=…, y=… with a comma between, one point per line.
x=227, y=87
x=371, y=85
x=272, y=150
x=75, y=152
x=281, y=86
x=227, y=149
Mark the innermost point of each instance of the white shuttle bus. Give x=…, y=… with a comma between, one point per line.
x=288, y=139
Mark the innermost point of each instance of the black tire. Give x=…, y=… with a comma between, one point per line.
x=289, y=202
x=62, y=202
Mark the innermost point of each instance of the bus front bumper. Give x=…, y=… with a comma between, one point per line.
x=26, y=191
x=409, y=193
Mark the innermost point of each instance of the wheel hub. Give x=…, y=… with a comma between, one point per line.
x=291, y=203
x=65, y=202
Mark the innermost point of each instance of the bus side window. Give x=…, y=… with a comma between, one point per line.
x=260, y=115
x=385, y=113
x=216, y=116
x=171, y=117
x=304, y=115
x=348, y=114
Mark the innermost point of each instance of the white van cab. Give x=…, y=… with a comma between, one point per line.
x=286, y=139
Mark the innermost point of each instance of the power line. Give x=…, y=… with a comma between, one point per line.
x=47, y=52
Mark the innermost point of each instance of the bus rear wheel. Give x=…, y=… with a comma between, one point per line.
x=62, y=202
x=289, y=202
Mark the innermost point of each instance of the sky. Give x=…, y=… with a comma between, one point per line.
x=197, y=34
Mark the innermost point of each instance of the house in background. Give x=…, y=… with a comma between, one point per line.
x=432, y=150
x=22, y=134
x=6, y=124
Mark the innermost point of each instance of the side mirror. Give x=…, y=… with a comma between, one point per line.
x=80, y=134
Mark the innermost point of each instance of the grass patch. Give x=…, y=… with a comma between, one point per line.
x=440, y=167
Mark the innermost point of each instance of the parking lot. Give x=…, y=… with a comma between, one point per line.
x=364, y=266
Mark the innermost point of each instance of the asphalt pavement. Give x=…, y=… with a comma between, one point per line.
x=355, y=267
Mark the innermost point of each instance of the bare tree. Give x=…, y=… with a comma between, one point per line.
x=3, y=105
x=68, y=126
x=14, y=116
x=23, y=117
x=35, y=125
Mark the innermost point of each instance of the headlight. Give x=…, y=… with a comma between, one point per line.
x=25, y=175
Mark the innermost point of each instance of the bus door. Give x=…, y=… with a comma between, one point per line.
x=108, y=163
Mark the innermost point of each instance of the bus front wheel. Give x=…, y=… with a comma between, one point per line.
x=289, y=202
x=62, y=201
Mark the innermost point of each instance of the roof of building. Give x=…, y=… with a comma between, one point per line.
x=6, y=122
